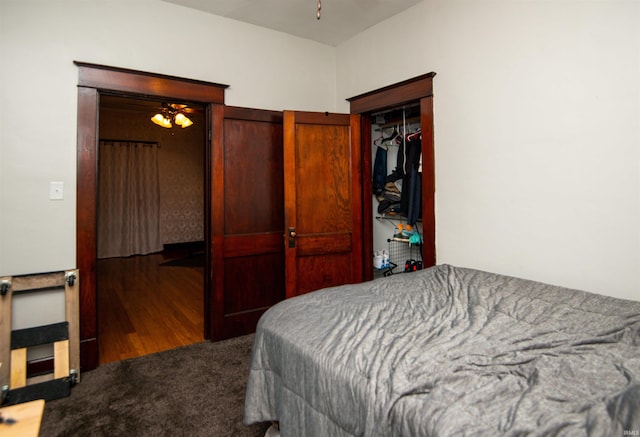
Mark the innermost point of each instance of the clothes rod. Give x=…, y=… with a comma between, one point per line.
x=410, y=120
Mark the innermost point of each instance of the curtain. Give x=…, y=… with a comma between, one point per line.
x=128, y=199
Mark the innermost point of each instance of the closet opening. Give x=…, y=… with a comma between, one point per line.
x=394, y=116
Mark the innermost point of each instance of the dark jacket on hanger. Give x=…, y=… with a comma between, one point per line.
x=406, y=169
x=379, y=171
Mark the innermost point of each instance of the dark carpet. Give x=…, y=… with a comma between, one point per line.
x=195, y=390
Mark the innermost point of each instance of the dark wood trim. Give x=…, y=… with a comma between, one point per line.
x=401, y=93
x=92, y=80
x=367, y=206
x=428, y=183
x=330, y=118
x=356, y=197
x=121, y=80
x=208, y=246
x=216, y=308
x=86, y=213
x=88, y=352
x=239, y=113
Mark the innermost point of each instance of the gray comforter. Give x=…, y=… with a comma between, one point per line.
x=448, y=352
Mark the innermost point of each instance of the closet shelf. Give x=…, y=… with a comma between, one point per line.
x=396, y=217
x=398, y=122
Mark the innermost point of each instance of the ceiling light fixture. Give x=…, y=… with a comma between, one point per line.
x=171, y=113
x=319, y=7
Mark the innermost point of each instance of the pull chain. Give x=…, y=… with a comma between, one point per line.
x=319, y=7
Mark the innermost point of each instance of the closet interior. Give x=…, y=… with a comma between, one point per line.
x=396, y=150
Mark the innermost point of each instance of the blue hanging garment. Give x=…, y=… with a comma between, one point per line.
x=411, y=187
x=379, y=171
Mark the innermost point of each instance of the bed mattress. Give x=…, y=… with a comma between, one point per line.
x=447, y=351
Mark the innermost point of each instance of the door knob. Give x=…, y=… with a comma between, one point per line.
x=292, y=237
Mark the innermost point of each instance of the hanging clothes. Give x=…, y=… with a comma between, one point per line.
x=412, y=189
x=379, y=171
x=415, y=197
x=390, y=200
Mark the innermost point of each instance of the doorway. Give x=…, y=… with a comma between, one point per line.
x=93, y=82
x=149, y=293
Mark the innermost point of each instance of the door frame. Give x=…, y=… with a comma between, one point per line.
x=93, y=80
x=417, y=89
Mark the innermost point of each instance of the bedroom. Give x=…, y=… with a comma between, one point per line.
x=537, y=133
x=140, y=281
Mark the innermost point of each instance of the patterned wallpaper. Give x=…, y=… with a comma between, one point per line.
x=181, y=166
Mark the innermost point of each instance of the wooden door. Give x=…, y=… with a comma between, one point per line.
x=247, y=220
x=323, y=211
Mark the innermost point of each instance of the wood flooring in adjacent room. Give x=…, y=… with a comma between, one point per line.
x=146, y=307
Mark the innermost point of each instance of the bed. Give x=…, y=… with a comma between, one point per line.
x=447, y=351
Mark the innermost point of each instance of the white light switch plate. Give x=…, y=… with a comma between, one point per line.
x=56, y=190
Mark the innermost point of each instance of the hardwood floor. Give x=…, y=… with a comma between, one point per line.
x=145, y=307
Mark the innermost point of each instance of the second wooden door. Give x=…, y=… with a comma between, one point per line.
x=323, y=212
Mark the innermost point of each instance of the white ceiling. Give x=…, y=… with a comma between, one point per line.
x=340, y=19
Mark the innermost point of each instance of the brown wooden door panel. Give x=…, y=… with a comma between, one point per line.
x=332, y=242
x=323, y=167
x=323, y=212
x=253, y=244
x=258, y=276
x=253, y=184
x=316, y=272
x=247, y=219
x=252, y=284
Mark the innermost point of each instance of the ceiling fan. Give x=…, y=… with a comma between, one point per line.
x=172, y=113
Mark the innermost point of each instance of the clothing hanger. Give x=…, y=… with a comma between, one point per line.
x=389, y=140
x=416, y=134
x=378, y=141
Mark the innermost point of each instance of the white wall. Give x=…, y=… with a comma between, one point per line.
x=39, y=40
x=537, y=131
x=537, y=128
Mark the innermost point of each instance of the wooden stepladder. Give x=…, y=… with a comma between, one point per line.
x=17, y=386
